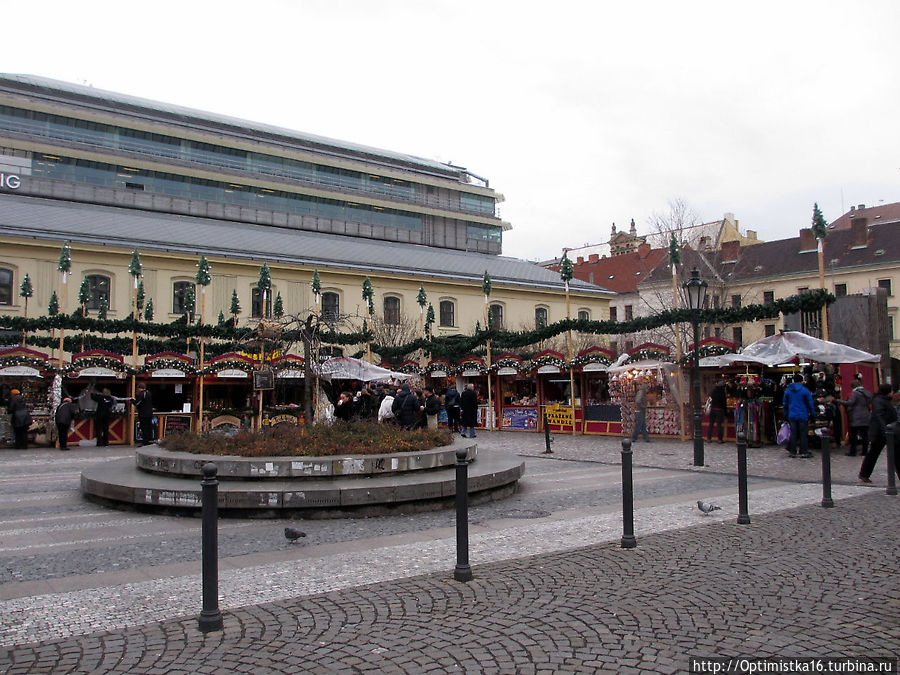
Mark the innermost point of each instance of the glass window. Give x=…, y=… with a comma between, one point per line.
x=629, y=312
x=737, y=336
x=392, y=311
x=840, y=290
x=256, y=308
x=495, y=316
x=770, y=329
x=331, y=306
x=98, y=287
x=179, y=290
x=448, y=313
x=886, y=284
x=735, y=300
x=768, y=297
x=584, y=315
x=6, y=286
x=540, y=317
x=613, y=313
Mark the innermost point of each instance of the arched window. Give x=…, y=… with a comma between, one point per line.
x=179, y=290
x=98, y=287
x=448, y=313
x=540, y=317
x=6, y=286
x=256, y=297
x=584, y=315
x=331, y=306
x=495, y=316
x=392, y=310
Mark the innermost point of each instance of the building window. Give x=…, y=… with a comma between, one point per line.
x=737, y=336
x=392, y=310
x=886, y=285
x=6, y=286
x=840, y=290
x=98, y=288
x=735, y=300
x=495, y=317
x=179, y=290
x=770, y=329
x=540, y=317
x=629, y=345
x=715, y=299
x=613, y=313
x=891, y=328
x=256, y=308
x=629, y=312
x=448, y=313
x=331, y=306
x=768, y=297
x=584, y=315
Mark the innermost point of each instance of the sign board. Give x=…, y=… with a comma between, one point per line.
x=507, y=370
x=168, y=372
x=562, y=415
x=520, y=419
x=263, y=379
x=548, y=369
x=471, y=372
x=283, y=419
x=593, y=367
x=232, y=373
x=10, y=181
x=97, y=371
x=290, y=374
x=439, y=373
x=176, y=424
x=20, y=371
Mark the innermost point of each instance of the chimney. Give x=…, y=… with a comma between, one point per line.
x=861, y=206
x=579, y=260
x=643, y=250
x=730, y=251
x=702, y=243
x=594, y=257
x=860, y=233
x=751, y=234
x=807, y=240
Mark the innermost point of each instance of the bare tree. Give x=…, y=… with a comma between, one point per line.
x=681, y=219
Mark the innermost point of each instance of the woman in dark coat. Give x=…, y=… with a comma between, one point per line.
x=883, y=413
x=468, y=403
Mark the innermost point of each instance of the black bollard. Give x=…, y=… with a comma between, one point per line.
x=743, y=515
x=210, y=618
x=548, y=451
x=827, y=501
x=462, y=572
x=889, y=433
x=628, y=540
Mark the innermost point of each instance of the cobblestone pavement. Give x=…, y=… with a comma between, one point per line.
x=553, y=592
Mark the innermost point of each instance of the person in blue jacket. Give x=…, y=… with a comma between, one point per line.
x=798, y=408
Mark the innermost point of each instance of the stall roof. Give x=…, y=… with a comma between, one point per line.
x=782, y=348
x=348, y=368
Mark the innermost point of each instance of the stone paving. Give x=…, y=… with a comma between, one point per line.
x=550, y=594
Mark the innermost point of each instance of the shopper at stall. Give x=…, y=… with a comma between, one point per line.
x=343, y=409
x=468, y=404
x=432, y=407
x=143, y=403
x=385, y=410
x=451, y=403
x=105, y=403
x=718, y=404
x=65, y=415
x=410, y=409
x=20, y=419
x=798, y=408
x=883, y=413
x=640, y=413
x=859, y=407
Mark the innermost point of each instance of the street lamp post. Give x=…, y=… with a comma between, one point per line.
x=695, y=288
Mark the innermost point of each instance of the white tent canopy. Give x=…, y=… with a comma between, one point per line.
x=348, y=368
x=782, y=348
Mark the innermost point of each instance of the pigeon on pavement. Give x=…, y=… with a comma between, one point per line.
x=707, y=508
x=292, y=534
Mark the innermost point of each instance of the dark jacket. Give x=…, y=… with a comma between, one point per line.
x=397, y=405
x=409, y=410
x=65, y=413
x=18, y=409
x=451, y=398
x=858, y=407
x=104, y=405
x=798, y=402
x=883, y=413
x=344, y=409
x=432, y=405
x=143, y=403
x=468, y=401
x=718, y=397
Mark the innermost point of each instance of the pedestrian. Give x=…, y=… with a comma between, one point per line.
x=344, y=409
x=640, y=413
x=883, y=413
x=859, y=407
x=432, y=408
x=468, y=404
x=65, y=415
x=399, y=397
x=385, y=412
x=798, y=408
x=718, y=404
x=143, y=403
x=105, y=403
x=451, y=403
x=20, y=419
x=410, y=409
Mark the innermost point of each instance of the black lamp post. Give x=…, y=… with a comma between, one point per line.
x=695, y=288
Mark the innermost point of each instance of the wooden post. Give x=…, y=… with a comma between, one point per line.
x=571, y=356
x=200, y=383
x=822, y=286
x=679, y=354
x=134, y=355
x=62, y=331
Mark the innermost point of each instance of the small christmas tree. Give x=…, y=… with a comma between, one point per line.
x=429, y=319
x=65, y=259
x=486, y=285
x=53, y=307
x=368, y=294
x=84, y=295
x=674, y=251
x=190, y=302
x=819, y=226
x=135, y=267
x=422, y=299
x=316, y=286
x=26, y=291
x=148, y=311
x=278, y=310
x=141, y=297
x=221, y=321
x=203, y=277
x=104, y=307
x=235, y=308
x=566, y=270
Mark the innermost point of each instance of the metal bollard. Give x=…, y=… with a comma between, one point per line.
x=827, y=501
x=547, y=441
x=743, y=515
x=210, y=618
x=628, y=540
x=890, y=432
x=462, y=571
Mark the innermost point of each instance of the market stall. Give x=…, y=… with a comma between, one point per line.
x=558, y=406
x=228, y=397
x=31, y=373
x=289, y=394
x=648, y=363
x=170, y=379
x=516, y=394
x=91, y=372
x=472, y=369
x=601, y=415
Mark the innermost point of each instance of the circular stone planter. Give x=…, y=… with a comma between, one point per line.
x=309, y=487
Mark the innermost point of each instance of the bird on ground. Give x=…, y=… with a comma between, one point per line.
x=292, y=534
x=707, y=508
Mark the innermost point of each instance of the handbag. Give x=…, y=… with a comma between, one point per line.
x=784, y=434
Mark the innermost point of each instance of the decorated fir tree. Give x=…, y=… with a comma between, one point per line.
x=26, y=291
x=190, y=302
x=135, y=267
x=368, y=295
x=203, y=277
x=566, y=269
x=221, y=321
x=65, y=259
x=429, y=319
x=278, y=310
x=84, y=295
x=148, y=310
x=422, y=299
x=53, y=307
x=141, y=297
x=674, y=252
x=486, y=286
x=235, y=308
x=819, y=226
x=316, y=286
x=104, y=307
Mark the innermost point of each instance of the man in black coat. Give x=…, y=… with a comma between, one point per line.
x=65, y=414
x=451, y=403
x=143, y=403
x=105, y=403
x=468, y=402
x=20, y=419
x=883, y=413
x=409, y=410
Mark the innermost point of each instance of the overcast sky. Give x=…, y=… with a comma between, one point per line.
x=580, y=113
